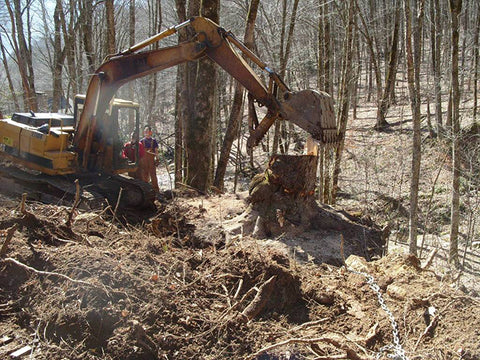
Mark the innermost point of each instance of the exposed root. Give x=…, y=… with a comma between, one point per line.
x=48, y=273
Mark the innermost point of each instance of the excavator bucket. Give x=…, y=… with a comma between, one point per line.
x=313, y=112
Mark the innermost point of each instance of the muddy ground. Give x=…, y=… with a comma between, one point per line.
x=172, y=288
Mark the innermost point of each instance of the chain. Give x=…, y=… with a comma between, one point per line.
x=398, y=351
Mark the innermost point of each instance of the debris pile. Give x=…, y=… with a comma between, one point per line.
x=104, y=289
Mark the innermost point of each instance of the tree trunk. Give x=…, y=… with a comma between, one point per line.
x=235, y=119
x=476, y=69
x=59, y=57
x=371, y=41
x=436, y=43
x=9, y=78
x=155, y=27
x=22, y=53
x=455, y=9
x=198, y=130
x=280, y=138
x=181, y=98
x=70, y=47
x=413, y=69
x=328, y=51
x=344, y=96
x=86, y=20
x=391, y=73
x=110, y=16
x=325, y=84
x=131, y=42
x=321, y=46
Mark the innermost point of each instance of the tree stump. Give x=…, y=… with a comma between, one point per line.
x=282, y=202
x=283, y=196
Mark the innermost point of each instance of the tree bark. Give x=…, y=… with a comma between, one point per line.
x=436, y=43
x=131, y=42
x=86, y=19
x=59, y=57
x=391, y=74
x=344, y=98
x=155, y=19
x=413, y=73
x=476, y=66
x=9, y=78
x=110, y=16
x=23, y=53
x=181, y=98
x=200, y=122
x=69, y=35
x=455, y=9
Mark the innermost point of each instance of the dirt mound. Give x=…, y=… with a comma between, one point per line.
x=167, y=290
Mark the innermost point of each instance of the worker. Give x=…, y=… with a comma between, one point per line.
x=151, y=153
x=129, y=152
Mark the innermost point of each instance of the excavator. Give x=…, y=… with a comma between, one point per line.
x=90, y=148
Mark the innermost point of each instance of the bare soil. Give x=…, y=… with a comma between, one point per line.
x=179, y=284
x=171, y=288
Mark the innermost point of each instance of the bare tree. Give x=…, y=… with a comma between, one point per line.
x=86, y=18
x=58, y=55
x=455, y=9
x=285, y=48
x=7, y=72
x=384, y=103
x=201, y=79
x=22, y=47
x=435, y=47
x=182, y=103
x=344, y=95
x=476, y=66
x=413, y=26
x=131, y=42
x=155, y=25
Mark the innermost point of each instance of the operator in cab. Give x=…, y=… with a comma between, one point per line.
x=129, y=152
x=151, y=154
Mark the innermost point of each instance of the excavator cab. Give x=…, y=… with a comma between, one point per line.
x=112, y=132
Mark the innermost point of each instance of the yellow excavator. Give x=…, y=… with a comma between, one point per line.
x=90, y=149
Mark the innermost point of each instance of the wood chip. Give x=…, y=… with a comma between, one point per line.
x=22, y=351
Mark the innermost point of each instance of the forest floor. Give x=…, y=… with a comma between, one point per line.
x=177, y=286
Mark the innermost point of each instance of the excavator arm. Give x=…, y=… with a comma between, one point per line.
x=312, y=111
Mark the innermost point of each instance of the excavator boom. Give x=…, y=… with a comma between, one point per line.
x=310, y=110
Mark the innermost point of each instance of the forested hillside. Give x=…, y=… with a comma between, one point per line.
x=378, y=259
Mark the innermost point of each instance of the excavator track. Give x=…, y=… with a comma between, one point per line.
x=135, y=194
x=95, y=189
x=44, y=188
